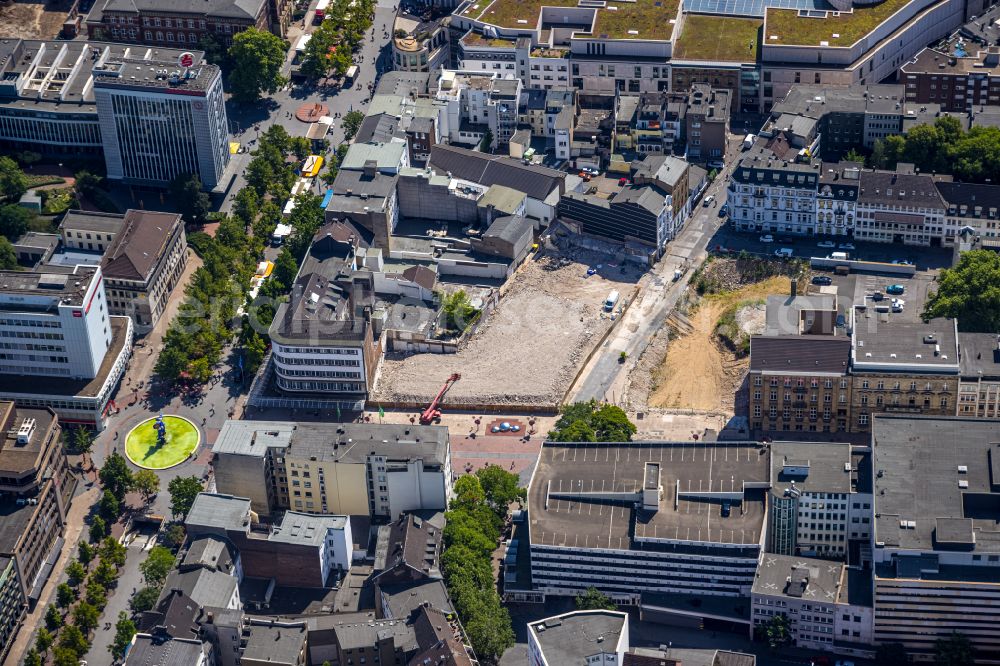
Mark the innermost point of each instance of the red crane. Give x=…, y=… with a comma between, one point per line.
x=432, y=413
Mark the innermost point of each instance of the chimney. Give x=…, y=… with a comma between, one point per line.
x=795, y=288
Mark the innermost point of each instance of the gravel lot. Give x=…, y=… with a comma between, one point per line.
x=549, y=317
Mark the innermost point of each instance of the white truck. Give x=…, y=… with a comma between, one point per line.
x=748, y=141
x=281, y=232
x=611, y=301
x=839, y=256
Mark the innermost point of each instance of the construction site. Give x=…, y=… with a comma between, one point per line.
x=33, y=20
x=707, y=336
x=549, y=318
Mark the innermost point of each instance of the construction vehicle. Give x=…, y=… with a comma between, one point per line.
x=433, y=413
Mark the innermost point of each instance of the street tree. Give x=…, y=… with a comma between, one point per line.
x=13, y=181
x=594, y=599
x=144, y=599
x=174, y=535
x=187, y=192
x=146, y=482
x=98, y=529
x=43, y=640
x=891, y=654
x=500, y=489
x=85, y=553
x=124, y=631
x=105, y=574
x=65, y=595
x=109, y=506
x=113, y=552
x=776, y=631
x=969, y=292
x=86, y=617
x=257, y=57
x=96, y=594
x=32, y=658
x=54, y=618
x=157, y=565
x=75, y=573
x=64, y=656
x=352, y=123
x=115, y=475
x=586, y=421
x=73, y=639
x=954, y=649
x=183, y=491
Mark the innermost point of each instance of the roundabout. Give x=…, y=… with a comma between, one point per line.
x=162, y=442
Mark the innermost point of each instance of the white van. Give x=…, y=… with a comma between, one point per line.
x=784, y=252
x=839, y=256
x=611, y=301
x=748, y=141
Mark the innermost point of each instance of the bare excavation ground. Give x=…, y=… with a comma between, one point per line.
x=33, y=20
x=548, y=319
x=688, y=366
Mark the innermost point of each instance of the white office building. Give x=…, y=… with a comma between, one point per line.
x=160, y=119
x=55, y=330
x=149, y=116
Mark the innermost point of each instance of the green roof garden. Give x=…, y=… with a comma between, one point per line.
x=792, y=29
x=508, y=13
x=718, y=38
x=475, y=39
x=642, y=19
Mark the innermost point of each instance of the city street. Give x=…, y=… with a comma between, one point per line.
x=249, y=121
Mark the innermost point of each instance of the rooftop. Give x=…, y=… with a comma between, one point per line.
x=14, y=386
x=812, y=467
x=570, y=638
x=638, y=19
x=204, y=586
x=980, y=355
x=931, y=346
x=934, y=497
x=220, y=512
x=536, y=181
x=164, y=651
x=346, y=442
x=63, y=285
x=305, y=529
x=85, y=220
x=571, y=480
x=22, y=444
x=143, y=239
x=820, y=28
x=899, y=189
x=799, y=577
x=280, y=645
x=807, y=354
x=718, y=38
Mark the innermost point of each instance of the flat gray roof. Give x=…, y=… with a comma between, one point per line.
x=276, y=644
x=171, y=652
x=825, y=462
x=220, y=511
x=569, y=639
x=883, y=345
x=305, y=529
x=335, y=442
x=924, y=499
x=584, y=495
x=799, y=577
x=980, y=355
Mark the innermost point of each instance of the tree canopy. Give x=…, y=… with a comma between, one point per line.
x=590, y=422
x=594, y=599
x=13, y=182
x=183, y=491
x=187, y=191
x=954, y=650
x=943, y=147
x=157, y=565
x=116, y=476
x=257, y=57
x=970, y=291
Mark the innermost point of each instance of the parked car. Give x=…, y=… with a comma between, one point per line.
x=784, y=252
x=591, y=170
x=727, y=507
x=845, y=663
x=822, y=280
x=716, y=164
x=724, y=210
x=897, y=308
x=846, y=246
x=895, y=289
x=826, y=244
x=767, y=238
x=708, y=200
x=878, y=296
x=623, y=181
x=898, y=301
x=902, y=262
x=841, y=321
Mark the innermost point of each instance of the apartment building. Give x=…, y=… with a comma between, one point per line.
x=800, y=383
x=902, y=367
x=684, y=547
x=351, y=469
x=300, y=550
x=959, y=72
x=184, y=23
x=72, y=349
x=478, y=102
x=671, y=175
x=656, y=122
x=551, y=113
x=899, y=207
x=540, y=66
x=706, y=122
x=770, y=194
x=936, y=543
x=89, y=231
x=322, y=338
x=979, y=380
x=37, y=487
x=580, y=637
x=820, y=501
x=419, y=45
x=970, y=206
x=634, y=215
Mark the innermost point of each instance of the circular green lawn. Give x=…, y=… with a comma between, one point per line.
x=141, y=445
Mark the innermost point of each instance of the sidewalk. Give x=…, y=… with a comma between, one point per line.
x=74, y=527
